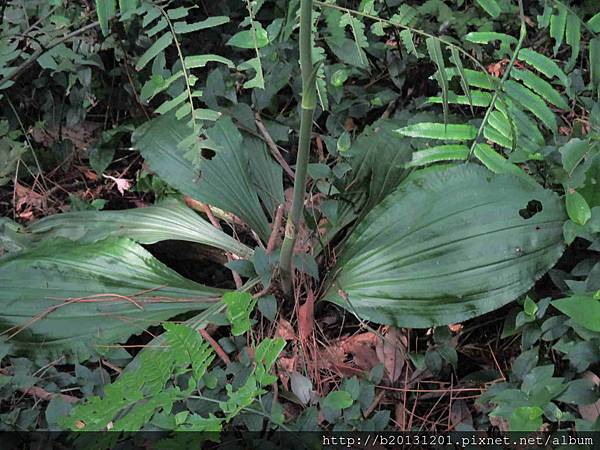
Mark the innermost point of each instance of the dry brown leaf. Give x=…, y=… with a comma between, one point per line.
x=456, y=327
x=285, y=330
x=400, y=413
x=592, y=411
x=391, y=351
x=306, y=313
x=459, y=413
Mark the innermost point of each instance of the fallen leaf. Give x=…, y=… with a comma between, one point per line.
x=301, y=387
x=122, y=184
x=592, y=411
x=456, y=327
x=306, y=313
x=460, y=414
x=391, y=351
x=400, y=416
x=285, y=330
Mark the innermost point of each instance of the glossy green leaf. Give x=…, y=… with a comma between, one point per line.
x=582, y=309
x=558, y=23
x=474, y=78
x=435, y=53
x=485, y=37
x=66, y=298
x=463, y=250
x=577, y=208
x=494, y=161
x=158, y=46
x=476, y=98
x=169, y=220
x=573, y=153
x=594, y=23
x=437, y=154
x=573, y=37
x=541, y=87
x=193, y=62
x=455, y=59
x=226, y=181
x=447, y=132
x=491, y=7
x=105, y=10
x=594, y=54
x=533, y=102
x=210, y=22
x=337, y=400
x=526, y=418
x=543, y=64
x=239, y=307
x=258, y=38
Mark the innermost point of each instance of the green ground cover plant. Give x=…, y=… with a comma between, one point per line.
x=285, y=215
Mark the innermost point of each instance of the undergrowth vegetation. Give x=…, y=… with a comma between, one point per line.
x=284, y=215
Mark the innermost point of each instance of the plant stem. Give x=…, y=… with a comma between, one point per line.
x=307, y=107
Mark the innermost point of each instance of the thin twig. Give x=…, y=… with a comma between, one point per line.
x=17, y=71
x=273, y=147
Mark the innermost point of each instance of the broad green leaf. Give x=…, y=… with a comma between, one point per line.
x=257, y=38
x=491, y=7
x=193, y=62
x=169, y=220
x=435, y=53
x=377, y=157
x=258, y=81
x=543, y=64
x=127, y=6
x=485, y=37
x=526, y=418
x=558, y=23
x=477, y=98
x=474, y=78
x=455, y=59
x=494, y=161
x=438, y=153
x=541, y=87
x=531, y=101
x=577, y=208
x=447, y=132
x=239, y=307
x=463, y=250
x=409, y=44
x=572, y=153
x=210, y=22
x=594, y=23
x=337, y=400
x=584, y=310
x=594, y=52
x=64, y=298
x=573, y=35
x=158, y=46
x=225, y=181
x=105, y=10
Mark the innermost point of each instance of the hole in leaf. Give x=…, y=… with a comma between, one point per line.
x=533, y=207
x=207, y=153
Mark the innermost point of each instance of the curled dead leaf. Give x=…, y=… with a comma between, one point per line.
x=391, y=351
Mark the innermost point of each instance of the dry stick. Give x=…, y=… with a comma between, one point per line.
x=273, y=147
x=275, y=232
x=43, y=394
x=17, y=71
x=215, y=223
x=215, y=345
